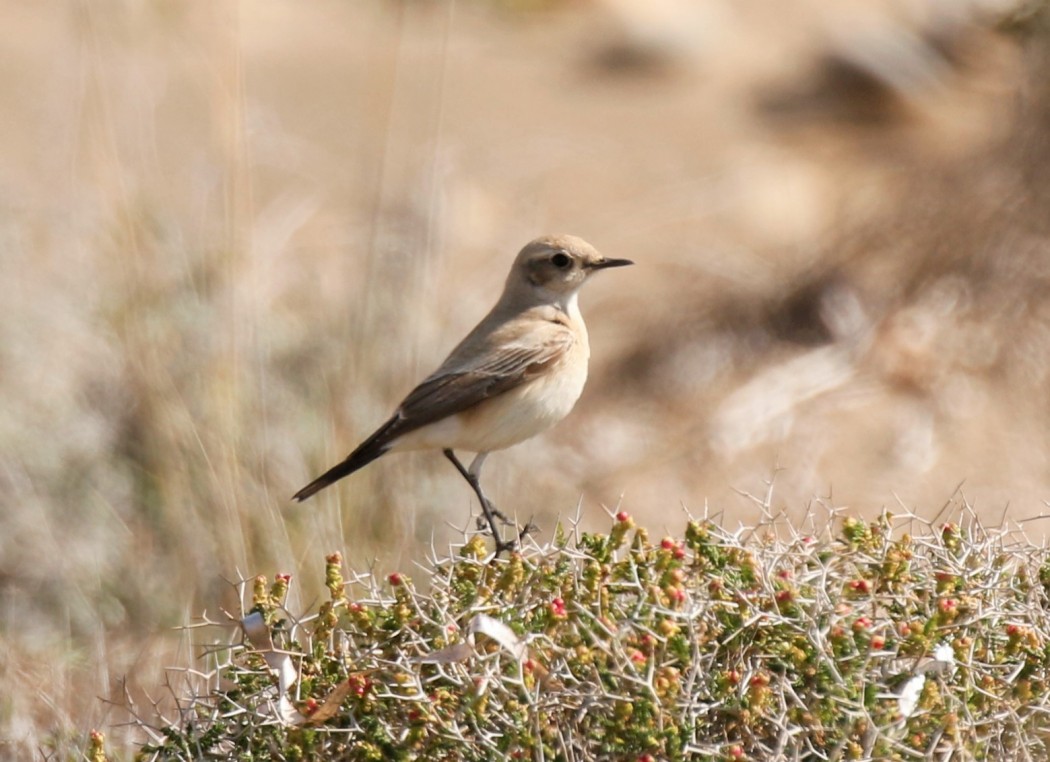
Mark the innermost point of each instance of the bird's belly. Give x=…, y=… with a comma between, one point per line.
x=507, y=419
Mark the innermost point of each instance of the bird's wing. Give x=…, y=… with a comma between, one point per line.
x=468, y=377
x=493, y=372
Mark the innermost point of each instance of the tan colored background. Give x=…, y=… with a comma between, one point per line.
x=233, y=235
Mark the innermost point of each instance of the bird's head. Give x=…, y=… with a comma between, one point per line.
x=556, y=266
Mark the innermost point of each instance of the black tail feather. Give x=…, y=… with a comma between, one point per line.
x=369, y=450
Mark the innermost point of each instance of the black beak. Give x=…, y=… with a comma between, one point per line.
x=610, y=263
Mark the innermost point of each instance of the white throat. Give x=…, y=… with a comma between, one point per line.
x=568, y=303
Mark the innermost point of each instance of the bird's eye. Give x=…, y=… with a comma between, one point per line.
x=561, y=260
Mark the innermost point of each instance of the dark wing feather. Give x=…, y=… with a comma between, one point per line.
x=446, y=393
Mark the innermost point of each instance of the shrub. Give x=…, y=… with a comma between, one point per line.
x=863, y=642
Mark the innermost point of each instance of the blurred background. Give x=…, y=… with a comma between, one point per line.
x=233, y=235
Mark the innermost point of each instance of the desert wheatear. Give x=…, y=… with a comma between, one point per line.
x=516, y=374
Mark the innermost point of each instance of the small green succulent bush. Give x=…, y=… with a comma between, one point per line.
x=865, y=642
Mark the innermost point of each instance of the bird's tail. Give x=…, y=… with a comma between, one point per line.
x=369, y=450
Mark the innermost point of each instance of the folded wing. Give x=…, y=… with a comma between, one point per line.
x=456, y=387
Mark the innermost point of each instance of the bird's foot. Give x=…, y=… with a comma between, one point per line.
x=491, y=513
x=508, y=546
x=526, y=530
x=502, y=516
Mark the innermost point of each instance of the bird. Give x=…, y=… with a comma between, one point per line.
x=516, y=374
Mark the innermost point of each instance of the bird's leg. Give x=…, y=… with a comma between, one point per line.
x=474, y=476
x=490, y=511
x=475, y=470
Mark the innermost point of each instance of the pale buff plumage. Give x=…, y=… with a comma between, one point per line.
x=516, y=374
